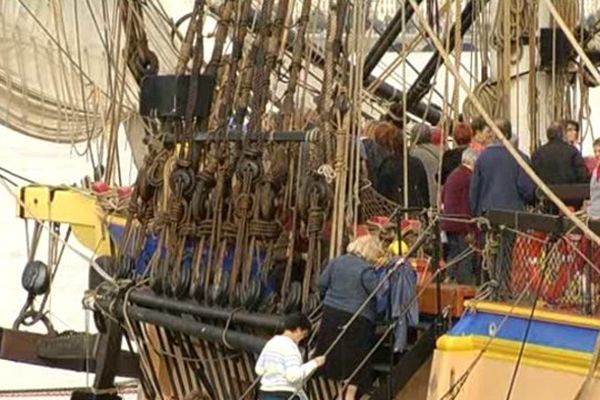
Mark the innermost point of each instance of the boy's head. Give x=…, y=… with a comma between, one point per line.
x=597, y=149
x=481, y=131
x=297, y=326
x=571, y=131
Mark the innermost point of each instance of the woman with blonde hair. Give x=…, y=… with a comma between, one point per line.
x=346, y=283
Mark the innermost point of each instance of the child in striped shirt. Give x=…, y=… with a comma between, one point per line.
x=280, y=362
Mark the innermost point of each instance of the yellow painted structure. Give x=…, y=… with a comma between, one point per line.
x=68, y=206
x=545, y=372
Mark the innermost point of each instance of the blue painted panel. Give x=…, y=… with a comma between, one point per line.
x=542, y=333
x=150, y=247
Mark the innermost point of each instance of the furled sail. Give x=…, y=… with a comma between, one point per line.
x=63, y=63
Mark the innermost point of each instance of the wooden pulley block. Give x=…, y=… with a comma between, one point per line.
x=181, y=290
x=197, y=287
x=199, y=201
x=251, y=166
x=143, y=188
x=107, y=264
x=312, y=303
x=251, y=295
x=166, y=276
x=219, y=290
x=125, y=268
x=99, y=321
x=238, y=296
x=156, y=281
x=316, y=185
x=266, y=201
x=293, y=299
x=183, y=179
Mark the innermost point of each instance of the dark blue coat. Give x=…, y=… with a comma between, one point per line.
x=498, y=182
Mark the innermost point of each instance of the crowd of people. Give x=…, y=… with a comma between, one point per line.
x=476, y=174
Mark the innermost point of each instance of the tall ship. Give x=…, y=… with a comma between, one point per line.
x=246, y=120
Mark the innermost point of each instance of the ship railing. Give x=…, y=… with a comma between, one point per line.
x=543, y=256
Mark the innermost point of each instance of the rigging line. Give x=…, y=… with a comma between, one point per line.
x=143, y=352
x=164, y=36
x=15, y=175
x=374, y=292
x=90, y=260
x=86, y=119
x=108, y=51
x=500, y=137
x=466, y=253
x=8, y=180
x=459, y=384
x=527, y=329
x=59, y=47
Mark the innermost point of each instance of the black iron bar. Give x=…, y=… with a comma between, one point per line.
x=149, y=300
x=237, y=340
x=422, y=84
x=387, y=38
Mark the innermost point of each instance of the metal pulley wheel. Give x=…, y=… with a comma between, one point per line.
x=313, y=302
x=181, y=290
x=197, y=288
x=250, y=297
x=125, y=268
x=248, y=165
x=144, y=190
x=293, y=298
x=147, y=65
x=314, y=185
x=199, y=200
x=183, y=178
x=219, y=290
x=156, y=280
x=181, y=286
x=36, y=278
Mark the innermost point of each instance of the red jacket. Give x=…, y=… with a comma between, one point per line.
x=455, y=198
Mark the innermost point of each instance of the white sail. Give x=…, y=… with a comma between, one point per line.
x=62, y=64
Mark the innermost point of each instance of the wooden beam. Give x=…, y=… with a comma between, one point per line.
x=33, y=348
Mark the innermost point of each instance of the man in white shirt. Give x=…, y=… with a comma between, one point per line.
x=280, y=362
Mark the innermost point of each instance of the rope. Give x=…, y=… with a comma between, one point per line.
x=515, y=153
x=401, y=260
x=15, y=175
x=90, y=260
x=226, y=329
x=459, y=384
x=466, y=253
x=527, y=329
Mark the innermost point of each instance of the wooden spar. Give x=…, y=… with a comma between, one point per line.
x=514, y=152
x=430, y=113
x=421, y=85
x=387, y=38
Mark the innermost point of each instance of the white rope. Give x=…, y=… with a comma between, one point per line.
x=327, y=172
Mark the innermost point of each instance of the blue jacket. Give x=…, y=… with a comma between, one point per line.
x=397, y=302
x=346, y=283
x=498, y=182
